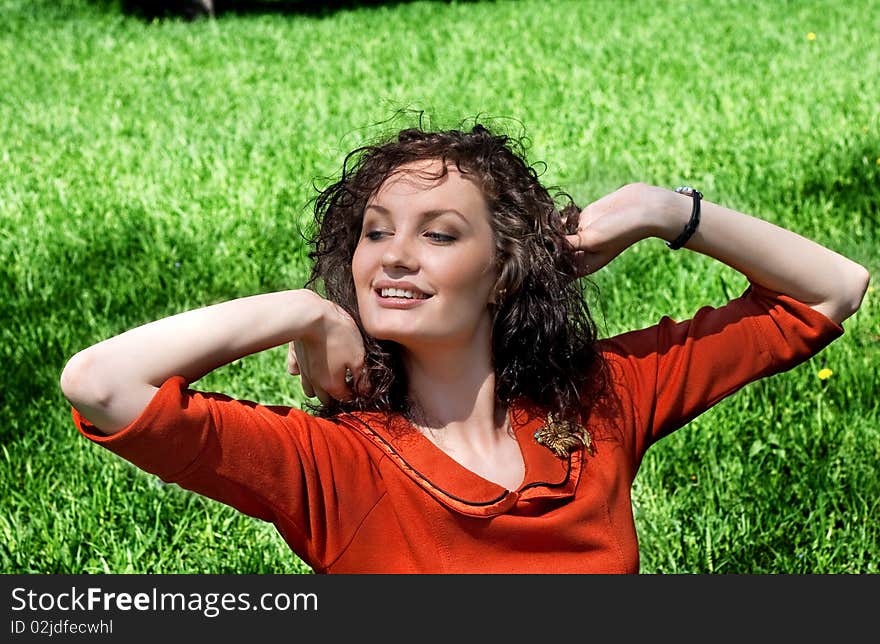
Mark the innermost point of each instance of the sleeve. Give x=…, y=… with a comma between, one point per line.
x=674, y=371
x=310, y=477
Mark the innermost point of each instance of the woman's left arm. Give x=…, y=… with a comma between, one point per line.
x=766, y=254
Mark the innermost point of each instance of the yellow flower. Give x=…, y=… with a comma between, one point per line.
x=824, y=374
x=878, y=160
x=811, y=36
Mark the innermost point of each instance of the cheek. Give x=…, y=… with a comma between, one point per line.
x=472, y=280
x=363, y=271
x=359, y=270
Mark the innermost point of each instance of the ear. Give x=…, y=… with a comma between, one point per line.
x=498, y=293
x=497, y=289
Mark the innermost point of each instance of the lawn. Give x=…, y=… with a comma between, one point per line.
x=149, y=167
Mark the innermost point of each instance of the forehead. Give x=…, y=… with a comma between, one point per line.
x=426, y=181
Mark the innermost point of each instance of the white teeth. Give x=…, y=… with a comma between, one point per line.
x=399, y=292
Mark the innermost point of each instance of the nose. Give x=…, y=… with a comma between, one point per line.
x=399, y=253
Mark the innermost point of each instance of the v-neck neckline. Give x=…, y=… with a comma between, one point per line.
x=545, y=475
x=509, y=435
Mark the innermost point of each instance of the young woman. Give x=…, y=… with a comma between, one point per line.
x=470, y=420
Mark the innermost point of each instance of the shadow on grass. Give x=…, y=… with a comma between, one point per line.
x=108, y=280
x=846, y=179
x=196, y=9
x=850, y=178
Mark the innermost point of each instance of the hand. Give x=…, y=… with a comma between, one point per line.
x=610, y=225
x=330, y=358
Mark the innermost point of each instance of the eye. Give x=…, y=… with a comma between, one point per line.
x=375, y=235
x=442, y=238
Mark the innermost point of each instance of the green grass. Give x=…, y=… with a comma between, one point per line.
x=152, y=167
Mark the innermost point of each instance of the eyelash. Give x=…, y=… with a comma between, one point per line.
x=443, y=238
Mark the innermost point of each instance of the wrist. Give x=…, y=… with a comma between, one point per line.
x=651, y=210
x=671, y=216
x=313, y=313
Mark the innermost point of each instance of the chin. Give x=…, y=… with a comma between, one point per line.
x=406, y=338
x=392, y=335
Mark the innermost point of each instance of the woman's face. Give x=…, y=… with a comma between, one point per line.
x=424, y=267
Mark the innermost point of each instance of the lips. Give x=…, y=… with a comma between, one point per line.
x=399, y=295
x=404, y=293
x=388, y=290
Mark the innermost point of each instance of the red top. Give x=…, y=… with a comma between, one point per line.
x=368, y=493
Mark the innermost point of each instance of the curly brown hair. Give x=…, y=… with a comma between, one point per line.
x=543, y=337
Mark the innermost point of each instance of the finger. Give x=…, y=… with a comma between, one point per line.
x=340, y=386
x=584, y=240
x=301, y=357
x=356, y=376
x=292, y=364
x=581, y=263
x=574, y=240
x=308, y=389
x=322, y=395
x=361, y=378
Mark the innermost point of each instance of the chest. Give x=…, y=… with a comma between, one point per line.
x=503, y=464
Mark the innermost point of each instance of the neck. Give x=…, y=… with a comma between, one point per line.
x=453, y=392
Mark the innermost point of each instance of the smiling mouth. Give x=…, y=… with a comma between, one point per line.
x=399, y=293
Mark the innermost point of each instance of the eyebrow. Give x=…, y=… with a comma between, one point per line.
x=426, y=214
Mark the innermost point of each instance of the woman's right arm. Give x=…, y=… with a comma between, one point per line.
x=111, y=383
